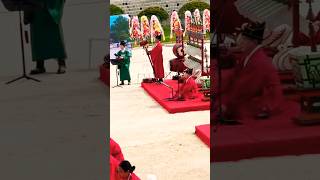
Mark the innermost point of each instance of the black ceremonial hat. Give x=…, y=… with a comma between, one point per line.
x=123, y=43
x=254, y=30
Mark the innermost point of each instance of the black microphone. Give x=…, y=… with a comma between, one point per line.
x=26, y=35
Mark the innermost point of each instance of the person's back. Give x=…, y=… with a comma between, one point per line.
x=157, y=59
x=256, y=87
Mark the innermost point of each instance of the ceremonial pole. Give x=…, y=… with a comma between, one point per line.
x=295, y=22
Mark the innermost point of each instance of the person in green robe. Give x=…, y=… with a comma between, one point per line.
x=125, y=63
x=46, y=35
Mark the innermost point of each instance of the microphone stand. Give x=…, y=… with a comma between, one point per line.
x=183, y=54
x=216, y=34
x=146, y=49
x=117, y=76
x=219, y=116
x=24, y=75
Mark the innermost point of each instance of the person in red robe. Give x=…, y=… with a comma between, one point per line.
x=189, y=88
x=113, y=164
x=121, y=170
x=115, y=150
x=251, y=89
x=157, y=59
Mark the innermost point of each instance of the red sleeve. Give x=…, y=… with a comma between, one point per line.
x=113, y=167
x=272, y=95
x=156, y=51
x=115, y=150
x=195, y=86
x=134, y=177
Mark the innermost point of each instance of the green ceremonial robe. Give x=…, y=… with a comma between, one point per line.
x=46, y=32
x=124, y=66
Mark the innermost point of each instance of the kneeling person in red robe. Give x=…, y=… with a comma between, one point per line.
x=121, y=170
x=188, y=89
x=252, y=89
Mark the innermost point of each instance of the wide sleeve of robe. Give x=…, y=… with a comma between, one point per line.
x=157, y=60
x=155, y=52
x=115, y=150
x=127, y=56
x=134, y=177
x=113, y=168
x=47, y=41
x=258, y=88
x=55, y=8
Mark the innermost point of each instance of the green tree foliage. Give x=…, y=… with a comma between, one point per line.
x=119, y=30
x=157, y=11
x=193, y=5
x=115, y=10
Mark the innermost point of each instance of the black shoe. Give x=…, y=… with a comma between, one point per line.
x=61, y=70
x=38, y=71
x=129, y=83
x=122, y=83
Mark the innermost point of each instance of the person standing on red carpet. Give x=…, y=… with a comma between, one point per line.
x=157, y=59
x=253, y=88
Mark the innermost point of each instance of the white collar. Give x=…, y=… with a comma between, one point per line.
x=246, y=61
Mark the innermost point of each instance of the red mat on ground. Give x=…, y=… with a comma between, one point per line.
x=160, y=92
x=203, y=132
x=278, y=136
x=104, y=75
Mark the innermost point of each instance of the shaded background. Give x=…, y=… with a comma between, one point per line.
x=82, y=21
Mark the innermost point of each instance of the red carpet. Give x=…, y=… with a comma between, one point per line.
x=105, y=75
x=160, y=92
x=203, y=132
x=265, y=138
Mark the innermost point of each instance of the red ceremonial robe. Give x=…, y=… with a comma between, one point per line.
x=114, y=163
x=248, y=89
x=157, y=60
x=317, y=37
x=189, y=88
x=113, y=168
x=115, y=150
